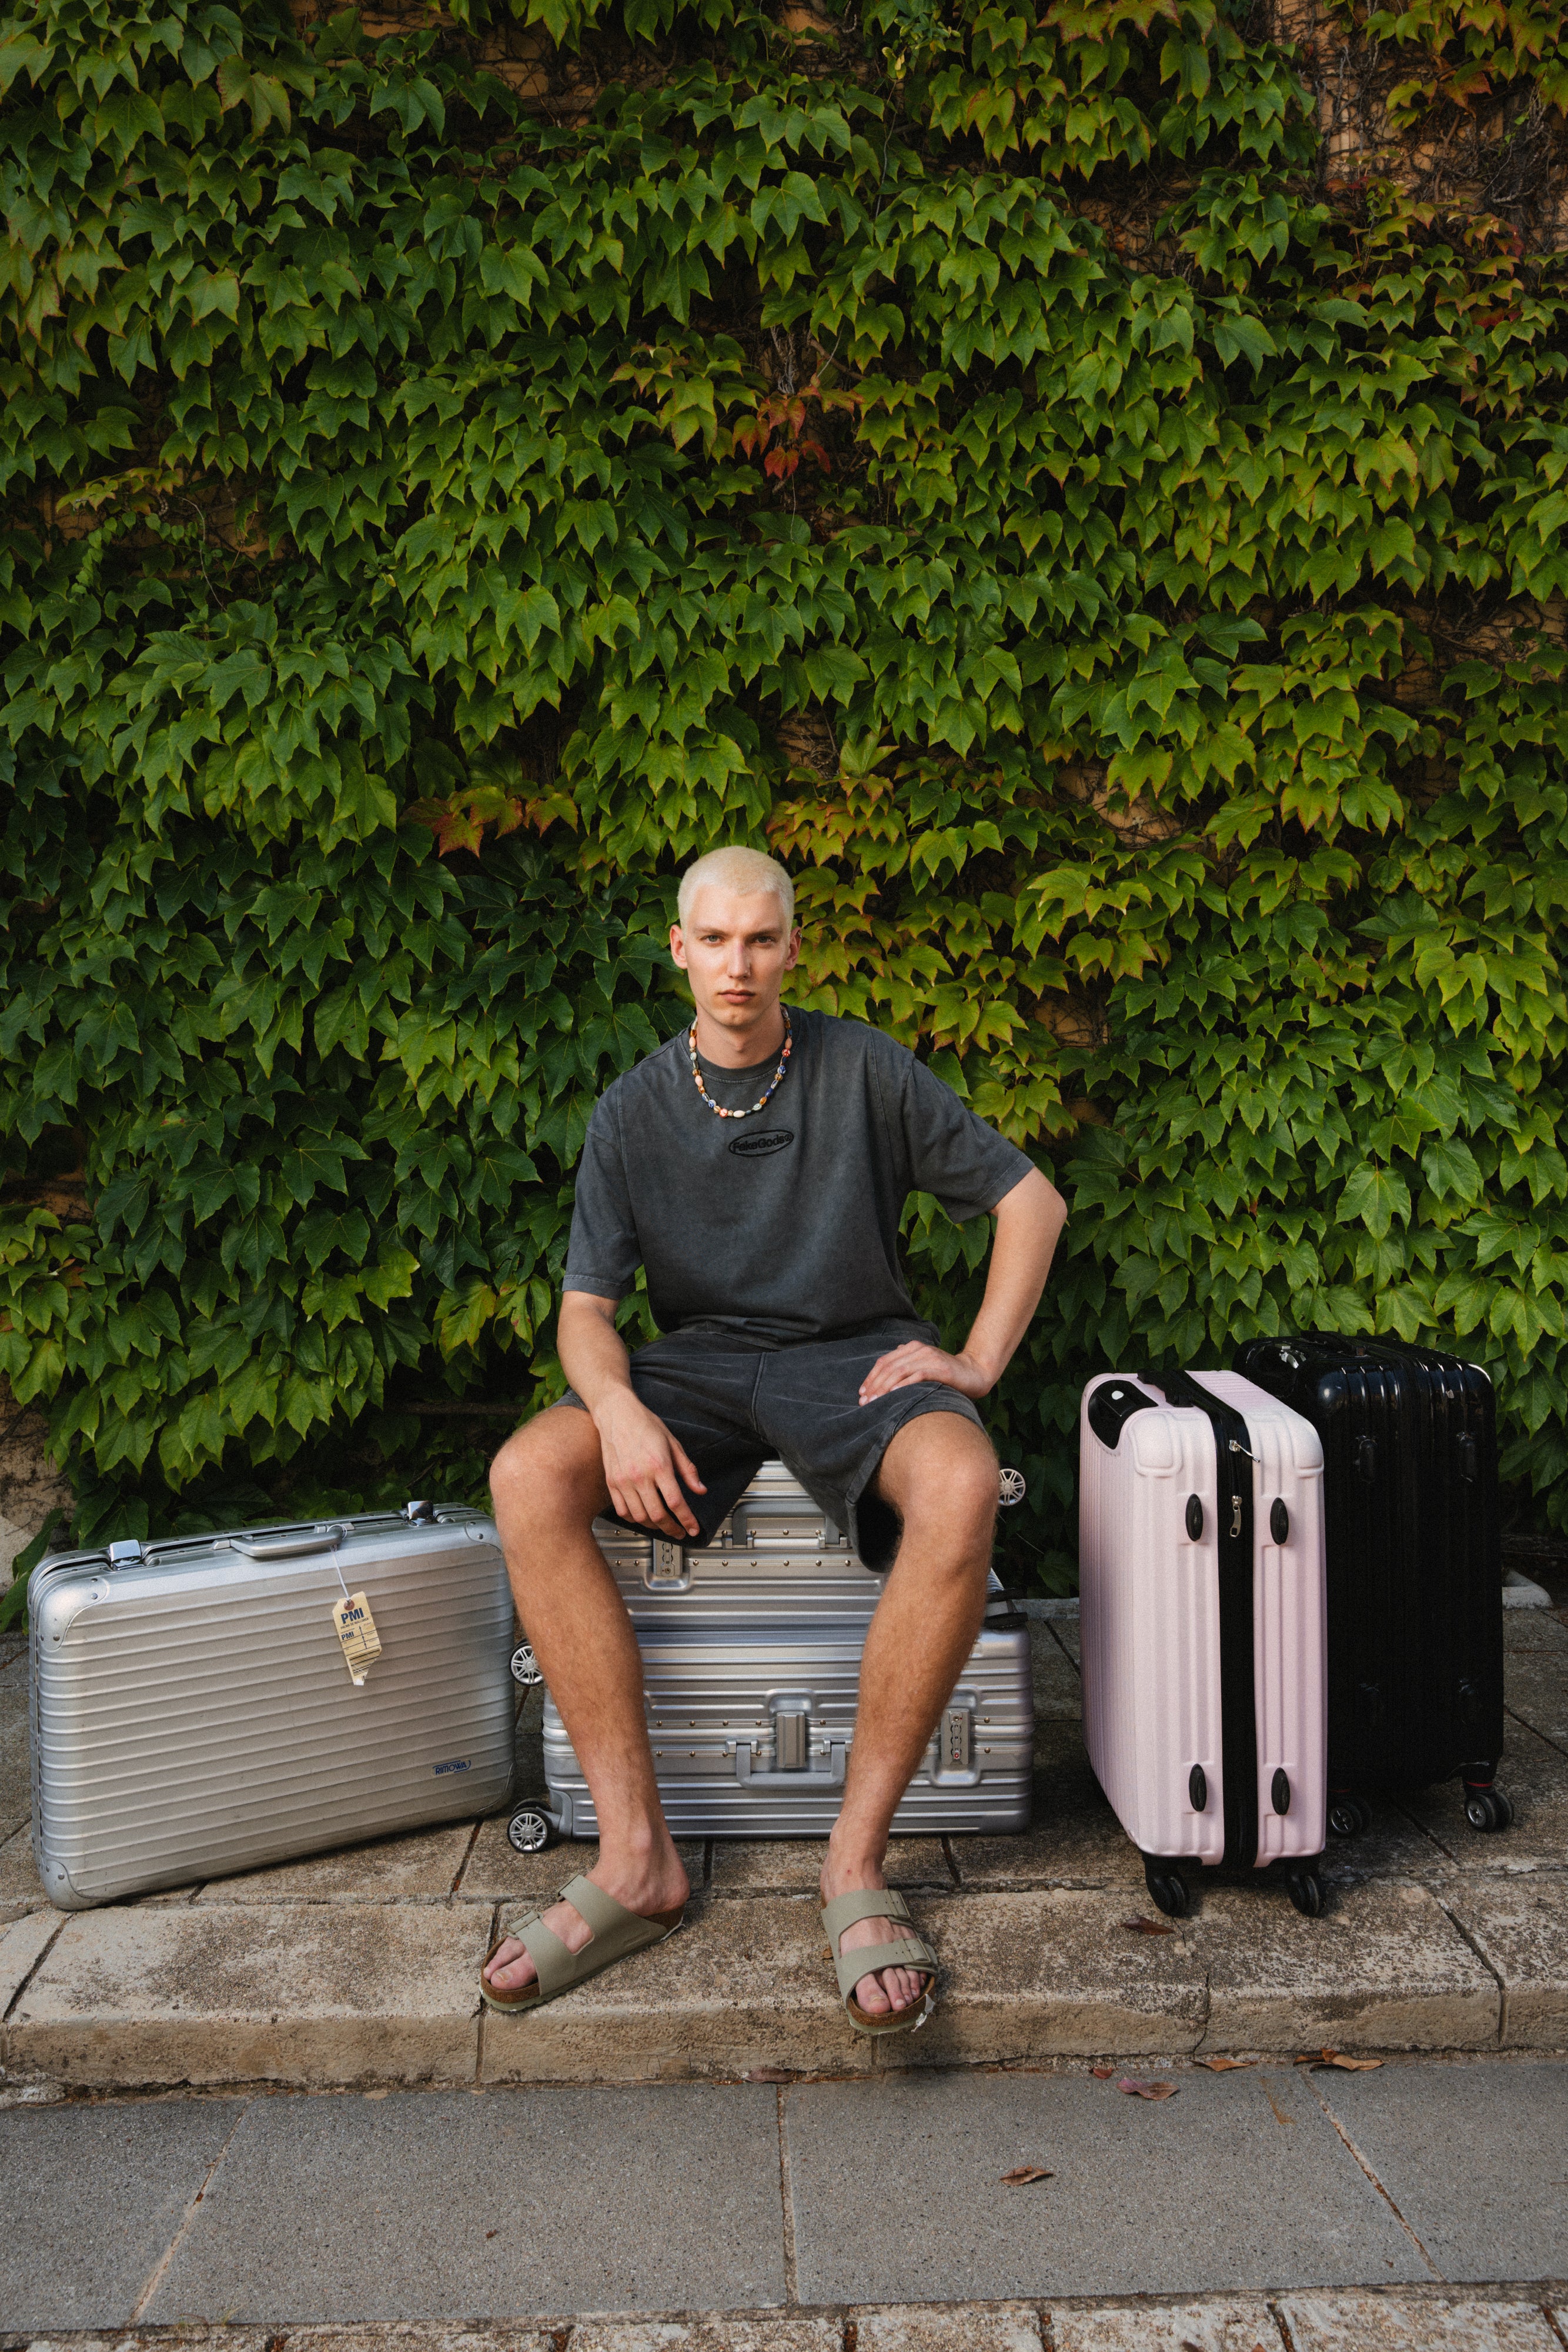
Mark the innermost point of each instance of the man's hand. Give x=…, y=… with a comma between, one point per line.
x=644, y=1465
x=916, y=1362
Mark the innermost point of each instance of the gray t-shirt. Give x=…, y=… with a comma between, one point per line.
x=784, y=1226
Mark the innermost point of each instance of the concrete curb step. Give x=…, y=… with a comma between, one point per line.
x=319, y=1994
x=1359, y=2320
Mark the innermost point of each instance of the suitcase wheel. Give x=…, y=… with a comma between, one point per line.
x=525, y=1665
x=1306, y=1892
x=1488, y=1809
x=1348, y=1816
x=528, y=1831
x=1167, y=1887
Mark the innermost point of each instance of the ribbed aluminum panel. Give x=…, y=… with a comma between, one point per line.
x=193, y=1714
x=1150, y=1622
x=711, y=1693
x=774, y=1558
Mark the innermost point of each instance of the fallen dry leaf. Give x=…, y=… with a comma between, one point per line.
x=1023, y=2172
x=1148, y=2090
x=1141, y=1927
x=1104, y=2072
x=1226, y=2065
x=1333, y=2058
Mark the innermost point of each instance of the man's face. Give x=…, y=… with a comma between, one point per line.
x=735, y=952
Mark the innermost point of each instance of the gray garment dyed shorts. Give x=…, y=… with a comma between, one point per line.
x=734, y=1408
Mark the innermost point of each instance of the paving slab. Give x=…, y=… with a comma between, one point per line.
x=15, y=1768
x=401, y=2336
x=22, y=1946
x=1535, y=1775
x=1519, y=1927
x=1239, y=2177
x=744, y=1985
x=420, y=1868
x=966, y=2327
x=93, y=2196
x=1058, y=1686
x=1054, y=1972
x=1066, y=1631
x=21, y=1888
x=1474, y=2155
x=496, y=1872
x=426, y=2204
x=284, y=1993
x=794, y=1865
x=1536, y=1691
x=711, y=2333
x=1534, y=1629
x=1384, y=1968
x=1375, y=2323
x=1233, y=2325
x=1075, y=1840
x=1393, y=1847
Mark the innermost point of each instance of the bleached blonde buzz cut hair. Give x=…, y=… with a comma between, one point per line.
x=738, y=869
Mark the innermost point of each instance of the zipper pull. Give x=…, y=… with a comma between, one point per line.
x=1237, y=1447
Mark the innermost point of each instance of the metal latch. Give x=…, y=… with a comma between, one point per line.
x=792, y=1739
x=666, y=1571
x=127, y=1554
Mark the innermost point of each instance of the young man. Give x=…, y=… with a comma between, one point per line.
x=757, y=1167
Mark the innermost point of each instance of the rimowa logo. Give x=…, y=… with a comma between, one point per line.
x=754, y=1147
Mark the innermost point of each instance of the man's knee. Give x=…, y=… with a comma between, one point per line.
x=940, y=1474
x=553, y=1464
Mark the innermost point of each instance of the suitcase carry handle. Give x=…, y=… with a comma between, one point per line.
x=833, y=1778
x=288, y=1546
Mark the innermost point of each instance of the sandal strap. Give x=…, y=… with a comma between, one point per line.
x=601, y=1911
x=909, y=1952
x=865, y=1903
x=554, y=1962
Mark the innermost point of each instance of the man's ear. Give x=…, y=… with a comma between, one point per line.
x=792, y=952
x=678, y=945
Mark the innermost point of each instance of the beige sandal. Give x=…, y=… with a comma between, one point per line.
x=617, y=1934
x=912, y=1951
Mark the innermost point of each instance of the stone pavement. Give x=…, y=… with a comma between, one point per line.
x=361, y=1968
x=1417, y=2203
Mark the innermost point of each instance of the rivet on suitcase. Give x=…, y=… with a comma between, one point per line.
x=751, y=1652
x=1414, y=1569
x=1201, y=1565
x=194, y=1713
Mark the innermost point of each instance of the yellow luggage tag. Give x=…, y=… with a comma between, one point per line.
x=356, y=1630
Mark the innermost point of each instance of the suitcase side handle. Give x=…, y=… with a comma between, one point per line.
x=833, y=1778
x=292, y=1546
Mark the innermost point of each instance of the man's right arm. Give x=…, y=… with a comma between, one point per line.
x=644, y=1465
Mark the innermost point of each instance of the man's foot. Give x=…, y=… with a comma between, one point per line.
x=646, y=1889
x=885, y=1990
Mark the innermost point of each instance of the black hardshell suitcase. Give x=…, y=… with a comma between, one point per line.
x=1414, y=1569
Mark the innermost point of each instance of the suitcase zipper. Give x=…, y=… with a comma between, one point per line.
x=1238, y=1694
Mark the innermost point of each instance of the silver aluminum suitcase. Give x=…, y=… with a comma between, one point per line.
x=751, y=1651
x=193, y=1715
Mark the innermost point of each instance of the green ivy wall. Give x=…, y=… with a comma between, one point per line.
x=456, y=468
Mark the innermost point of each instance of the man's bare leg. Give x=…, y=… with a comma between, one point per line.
x=939, y=1473
x=547, y=1485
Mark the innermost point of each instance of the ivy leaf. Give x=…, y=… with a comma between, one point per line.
x=1374, y=1197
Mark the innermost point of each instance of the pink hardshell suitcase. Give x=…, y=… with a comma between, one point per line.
x=1201, y=1534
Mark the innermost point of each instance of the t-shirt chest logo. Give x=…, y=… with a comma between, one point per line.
x=756, y=1147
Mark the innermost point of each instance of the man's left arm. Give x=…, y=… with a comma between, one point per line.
x=1030, y=1219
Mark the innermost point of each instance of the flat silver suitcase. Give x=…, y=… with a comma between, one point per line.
x=193, y=1713
x=751, y=1653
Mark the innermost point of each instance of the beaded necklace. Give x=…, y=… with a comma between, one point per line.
x=718, y=1109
